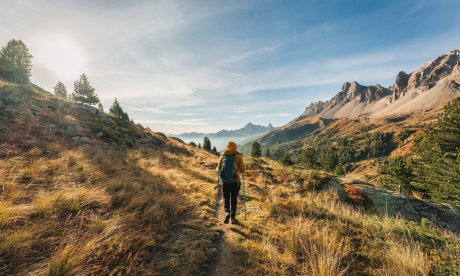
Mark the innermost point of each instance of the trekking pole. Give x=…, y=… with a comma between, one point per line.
x=244, y=197
x=217, y=195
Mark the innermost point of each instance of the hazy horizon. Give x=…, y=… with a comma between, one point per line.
x=182, y=66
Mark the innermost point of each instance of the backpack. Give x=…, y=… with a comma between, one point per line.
x=228, y=169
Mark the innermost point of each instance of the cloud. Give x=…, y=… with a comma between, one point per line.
x=169, y=60
x=187, y=114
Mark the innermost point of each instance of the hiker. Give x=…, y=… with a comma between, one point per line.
x=229, y=168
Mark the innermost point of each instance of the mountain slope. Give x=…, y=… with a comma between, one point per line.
x=305, y=222
x=83, y=193
x=417, y=97
x=430, y=87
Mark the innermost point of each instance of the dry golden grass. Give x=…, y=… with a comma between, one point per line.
x=62, y=263
x=301, y=231
x=127, y=211
x=320, y=250
x=406, y=259
x=127, y=201
x=112, y=208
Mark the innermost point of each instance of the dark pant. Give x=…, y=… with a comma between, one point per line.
x=231, y=191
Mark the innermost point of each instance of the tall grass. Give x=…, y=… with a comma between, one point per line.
x=319, y=250
x=406, y=259
x=311, y=232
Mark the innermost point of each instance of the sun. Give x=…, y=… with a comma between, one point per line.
x=61, y=55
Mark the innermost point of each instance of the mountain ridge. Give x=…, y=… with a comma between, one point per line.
x=355, y=100
x=249, y=129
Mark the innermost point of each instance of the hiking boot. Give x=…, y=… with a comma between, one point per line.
x=227, y=218
x=234, y=221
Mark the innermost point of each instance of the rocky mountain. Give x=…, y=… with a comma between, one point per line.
x=248, y=130
x=428, y=88
x=358, y=112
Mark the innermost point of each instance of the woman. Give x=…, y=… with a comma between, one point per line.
x=230, y=167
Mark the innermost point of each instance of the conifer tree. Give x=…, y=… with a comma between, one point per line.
x=256, y=151
x=60, y=90
x=192, y=144
x=100, y=107
x=398, y=175
x=15, y=62
x=207, y=144
x=214, y=150
x=309, y=158
x=286, y=159
x=118, y=112
x=327, y=157
x=199, y=145
x=437, y=159
x=84, y=92
x=267, y=153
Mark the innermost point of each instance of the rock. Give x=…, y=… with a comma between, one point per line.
x=65, y=130
x=11, y=97
x=80, y=140
x=400, y=84
x=395, y=204
x=211, y=166
x=146, y=140
x=177, y=139
x=92, y=109
x=267, y=178
x=161, y=135
x=100, y=134
x=313, y=109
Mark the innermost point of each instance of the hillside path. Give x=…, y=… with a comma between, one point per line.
x=228, y=263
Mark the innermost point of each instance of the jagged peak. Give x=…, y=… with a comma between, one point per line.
x=316, y=103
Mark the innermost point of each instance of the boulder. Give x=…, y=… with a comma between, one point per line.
x=395, y=204
x=80, y=140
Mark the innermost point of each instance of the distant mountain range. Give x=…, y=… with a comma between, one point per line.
x=248, y=130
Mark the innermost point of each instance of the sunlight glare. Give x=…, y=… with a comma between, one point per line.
x=61, y=55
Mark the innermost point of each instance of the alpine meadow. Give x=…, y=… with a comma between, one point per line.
x=230, y=137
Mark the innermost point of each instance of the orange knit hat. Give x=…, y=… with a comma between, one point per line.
x=232, y=146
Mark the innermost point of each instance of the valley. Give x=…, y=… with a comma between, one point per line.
x=139, y=138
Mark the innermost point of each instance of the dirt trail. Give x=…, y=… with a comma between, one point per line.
x=228, y=262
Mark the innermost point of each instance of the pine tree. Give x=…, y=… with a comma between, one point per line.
x=256, y=151
x=60, y=90
x=309, y=158
x=327, y=158
x=437, y=159
x=207, y=144
x=100, y=107
x=398, y=175
x=192, y=144
x=199, y=145
x=15, y=62
x=118, y=112
x=267, y=153
x=286, y=159
x=214, y=150
x=84, y=92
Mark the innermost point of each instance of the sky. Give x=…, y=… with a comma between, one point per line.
x=180, y=66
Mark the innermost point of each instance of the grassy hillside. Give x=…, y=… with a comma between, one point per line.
x=82, y=193
x=297, y=226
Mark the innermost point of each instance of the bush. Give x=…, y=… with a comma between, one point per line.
x=286, y=159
